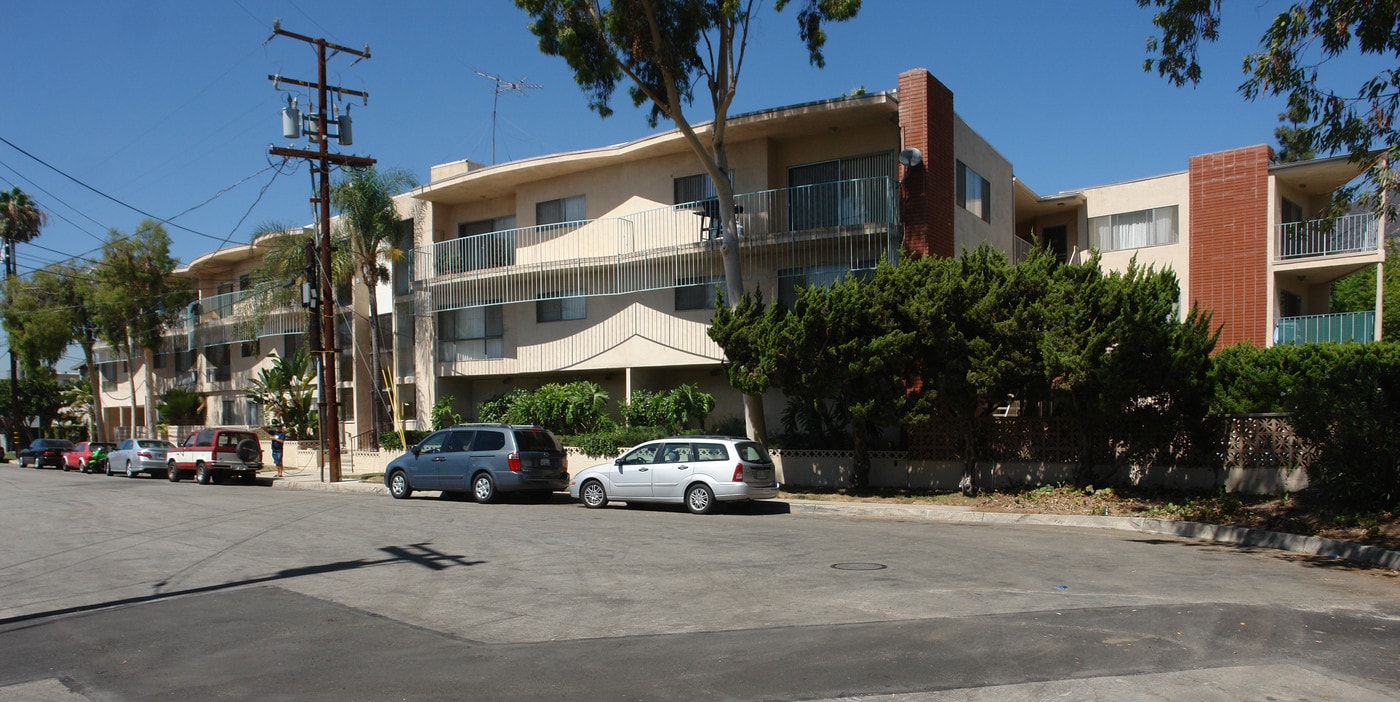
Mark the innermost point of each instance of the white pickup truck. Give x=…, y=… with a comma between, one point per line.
x=212, y=455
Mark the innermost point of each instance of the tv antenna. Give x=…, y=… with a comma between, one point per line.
x=503, y=86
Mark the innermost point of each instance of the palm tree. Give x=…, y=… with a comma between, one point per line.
x=20, y=222
x=369, y=226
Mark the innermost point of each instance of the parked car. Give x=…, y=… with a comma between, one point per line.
x=212, y=455
x=88, y=456
x=45, y=452
x=483, y=459
x=699, y=471
x=136, y=456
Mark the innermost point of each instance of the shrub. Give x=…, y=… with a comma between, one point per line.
x=443, y=415
x=389, y=440
x=1346, y=404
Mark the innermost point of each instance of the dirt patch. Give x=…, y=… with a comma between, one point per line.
x=1293, y=514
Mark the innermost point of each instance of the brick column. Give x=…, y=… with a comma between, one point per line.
x=1229, y=242
x=927, y=194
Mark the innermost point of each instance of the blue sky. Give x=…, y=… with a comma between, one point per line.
x=165, y=106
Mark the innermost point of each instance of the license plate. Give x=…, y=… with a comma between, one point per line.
x=763, y=475
x=544, y=461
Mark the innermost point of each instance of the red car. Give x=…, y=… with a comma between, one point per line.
x=82, y=456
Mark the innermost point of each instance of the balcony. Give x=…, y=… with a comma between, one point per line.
x=1316, y=328
x=840, y=223
x=229, y=318
x=1350, y=234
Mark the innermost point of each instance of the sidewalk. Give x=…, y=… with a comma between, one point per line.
x=311, y=479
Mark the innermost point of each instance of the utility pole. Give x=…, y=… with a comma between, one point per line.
x=318, y=131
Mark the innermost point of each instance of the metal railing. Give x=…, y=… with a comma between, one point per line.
x=1356, y=233
x=1338, y=327
x=840, y=223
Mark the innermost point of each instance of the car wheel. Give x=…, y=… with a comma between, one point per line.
x=172, y=473
x=65, y=466
x=202, y=474
x=398, y=485
x=130, y=472
x=484, y=488
x=109, y=468
x=699, y=499
x=593, y=495
x=83, y=467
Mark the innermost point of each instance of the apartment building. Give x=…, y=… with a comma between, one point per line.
x=602, y=264
x=1246, y=237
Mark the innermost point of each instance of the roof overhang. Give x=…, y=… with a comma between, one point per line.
x=1030, y=205
x=779, y=124
x=1320, y=175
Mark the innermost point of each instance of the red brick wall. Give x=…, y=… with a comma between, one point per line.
x=1229, y=242
x=927, y=194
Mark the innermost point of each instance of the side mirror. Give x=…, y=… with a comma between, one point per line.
x=618, y=461
x=414, y=449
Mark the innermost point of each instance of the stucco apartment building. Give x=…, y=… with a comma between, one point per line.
x=602, y=264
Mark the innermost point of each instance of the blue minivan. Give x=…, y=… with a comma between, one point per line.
x=484, y=460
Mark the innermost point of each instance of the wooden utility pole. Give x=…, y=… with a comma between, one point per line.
x=319, y=132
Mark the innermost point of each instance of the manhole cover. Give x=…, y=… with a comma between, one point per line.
x=859, y=566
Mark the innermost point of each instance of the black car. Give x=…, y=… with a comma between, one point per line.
x=45, y=452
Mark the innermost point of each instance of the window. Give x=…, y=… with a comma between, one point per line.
x=223, y=303
x=566, y=209
x=974, y=192
x=216, y=358
x=291, y=343
x=1133, y=230
x=184, y=360
x=250, y=348
x=839, y=192
x=108, y=371
x=227, y=416
x=471, y=334
x=253, y=411
x=487, y=440
x=245, y=282
x=160, y=360
x=485, y=243
x=1292, y=211
x=561, y=308
x=696, y=293
x=789, y=280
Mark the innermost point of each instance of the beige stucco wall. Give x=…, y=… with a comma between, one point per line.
x=1132, y=196
x=970, y=230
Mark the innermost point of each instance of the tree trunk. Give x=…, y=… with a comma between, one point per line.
x=146, y=361
x=969, y=472
x=95, y=384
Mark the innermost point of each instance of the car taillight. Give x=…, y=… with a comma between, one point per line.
x=143, y=454
x=513, y=460
x=738, y=472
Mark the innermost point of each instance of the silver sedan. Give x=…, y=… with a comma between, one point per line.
x=136, y=456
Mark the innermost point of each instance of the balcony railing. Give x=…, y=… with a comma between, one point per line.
x=225, y=318
x=1343, y=326
x=1356, y=233
x=841, y=223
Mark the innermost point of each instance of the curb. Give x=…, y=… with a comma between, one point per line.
x=1231, y=535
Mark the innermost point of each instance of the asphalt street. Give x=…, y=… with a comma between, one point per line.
x=119, y=589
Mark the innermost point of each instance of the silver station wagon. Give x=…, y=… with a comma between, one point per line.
x=699, y=471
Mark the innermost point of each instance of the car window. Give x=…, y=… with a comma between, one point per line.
x=204, y=438
x=536, y=440
x=125, y=444
x=434, y=442
x=676, y=453
x=458, y=441
x=154, y=443
x=753, y=452
x=229, y=440
x=489, y=441
x=711, y=452
x=642, y=455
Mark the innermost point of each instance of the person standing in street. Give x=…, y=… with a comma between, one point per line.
x=278, y=437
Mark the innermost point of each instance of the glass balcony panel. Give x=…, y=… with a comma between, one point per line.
x=1317, y=328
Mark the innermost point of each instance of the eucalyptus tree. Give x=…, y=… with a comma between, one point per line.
x=663, y=50
x=1309, y=54
x=138, y=297
x=369, y=225
x=53, y=308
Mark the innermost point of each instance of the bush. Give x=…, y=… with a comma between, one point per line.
x=607, y=443
x=389, y=440
x=1346, y=404
x=443, y=415
x=576, y=408
x=674, y=409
